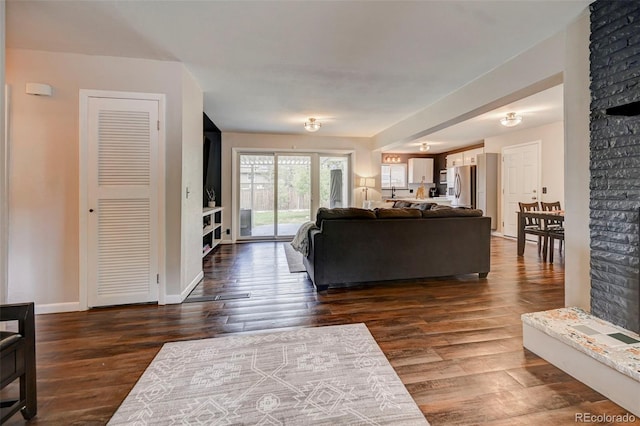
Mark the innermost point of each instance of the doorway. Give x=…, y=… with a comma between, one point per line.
x=520, y=182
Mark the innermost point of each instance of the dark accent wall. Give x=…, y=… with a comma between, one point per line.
x=212, y=153
x=615, y=162
x=440, y=164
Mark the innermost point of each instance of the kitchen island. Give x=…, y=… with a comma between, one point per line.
x=438, y=200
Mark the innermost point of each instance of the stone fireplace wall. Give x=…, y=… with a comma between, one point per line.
x=615, y=162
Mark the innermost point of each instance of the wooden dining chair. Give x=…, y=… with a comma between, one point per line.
x=555, y=228
x=532, y=225
x=550, y=207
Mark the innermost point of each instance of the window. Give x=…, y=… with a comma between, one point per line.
x=394, y=175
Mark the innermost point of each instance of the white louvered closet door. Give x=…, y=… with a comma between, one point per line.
x=123, y=201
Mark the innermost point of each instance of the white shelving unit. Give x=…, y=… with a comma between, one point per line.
x=212, y=228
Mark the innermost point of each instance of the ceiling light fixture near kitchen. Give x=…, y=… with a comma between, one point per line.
x=512, y=119
x=312, y=125
x=425, y=147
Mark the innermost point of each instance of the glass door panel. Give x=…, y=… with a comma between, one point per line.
x=334, y=181
x=257, y=195
x=278, y=192
x=294, y=193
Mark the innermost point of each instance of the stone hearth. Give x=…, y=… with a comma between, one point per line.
x=603, y=356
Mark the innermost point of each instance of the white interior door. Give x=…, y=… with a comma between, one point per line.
x=520, y=182
x=122, y=197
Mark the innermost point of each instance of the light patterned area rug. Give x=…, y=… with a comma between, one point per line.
x=294, y=259
x=335, y=375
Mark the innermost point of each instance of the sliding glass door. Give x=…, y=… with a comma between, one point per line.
x=257, y=195
x=278, y=192
x=294, y=193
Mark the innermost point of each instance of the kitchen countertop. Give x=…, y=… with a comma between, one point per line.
x=420, y=200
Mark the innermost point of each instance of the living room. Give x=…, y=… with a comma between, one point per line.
x=70, y=72
x=43, y=259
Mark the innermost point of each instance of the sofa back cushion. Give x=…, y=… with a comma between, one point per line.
x=402, y=213
x=451, y=212
x=343, y=213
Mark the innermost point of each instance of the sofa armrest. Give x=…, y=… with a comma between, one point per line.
x=315, y=258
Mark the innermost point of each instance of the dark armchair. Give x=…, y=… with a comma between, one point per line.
x=18, y=360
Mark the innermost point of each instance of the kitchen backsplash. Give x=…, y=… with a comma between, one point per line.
x=406, y=193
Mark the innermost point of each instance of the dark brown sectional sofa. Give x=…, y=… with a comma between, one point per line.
x=356, y=245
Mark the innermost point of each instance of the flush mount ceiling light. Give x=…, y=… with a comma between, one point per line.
x=425, y=147
x=312, y=125
x=512, y=119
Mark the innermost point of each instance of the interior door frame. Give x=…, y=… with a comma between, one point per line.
x=83, y=204
x=315, y=177
x=503, y=207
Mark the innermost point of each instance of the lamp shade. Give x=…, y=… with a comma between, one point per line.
x=367, y=182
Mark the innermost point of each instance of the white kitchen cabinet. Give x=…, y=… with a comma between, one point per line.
x=454, y=160
x=464, y=158
x=420, y=168
x=469, y=158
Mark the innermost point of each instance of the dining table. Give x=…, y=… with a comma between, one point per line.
x=545, y=218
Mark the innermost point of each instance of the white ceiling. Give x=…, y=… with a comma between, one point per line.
x=266, y=66
x=537, y=110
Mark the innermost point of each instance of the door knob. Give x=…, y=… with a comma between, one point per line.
x=90, y=210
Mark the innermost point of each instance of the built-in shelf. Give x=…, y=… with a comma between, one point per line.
x=212, y=228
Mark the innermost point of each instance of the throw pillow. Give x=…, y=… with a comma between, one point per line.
x=401, y=204
x=441, y=207
x=422, y=206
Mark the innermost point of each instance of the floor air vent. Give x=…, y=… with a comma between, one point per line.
x=215, y=297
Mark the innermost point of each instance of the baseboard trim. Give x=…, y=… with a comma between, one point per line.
x=55, y=308
x=174, y=299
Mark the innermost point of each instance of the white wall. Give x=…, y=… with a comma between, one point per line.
x=365, y=160
x=551, y=159
x=576, y=111
x=43, y=180
x=4, y=208
x=192, y=107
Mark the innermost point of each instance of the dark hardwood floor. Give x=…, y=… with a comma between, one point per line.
x=456, y=342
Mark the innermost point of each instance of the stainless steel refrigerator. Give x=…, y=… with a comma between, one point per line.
x=463, y=191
